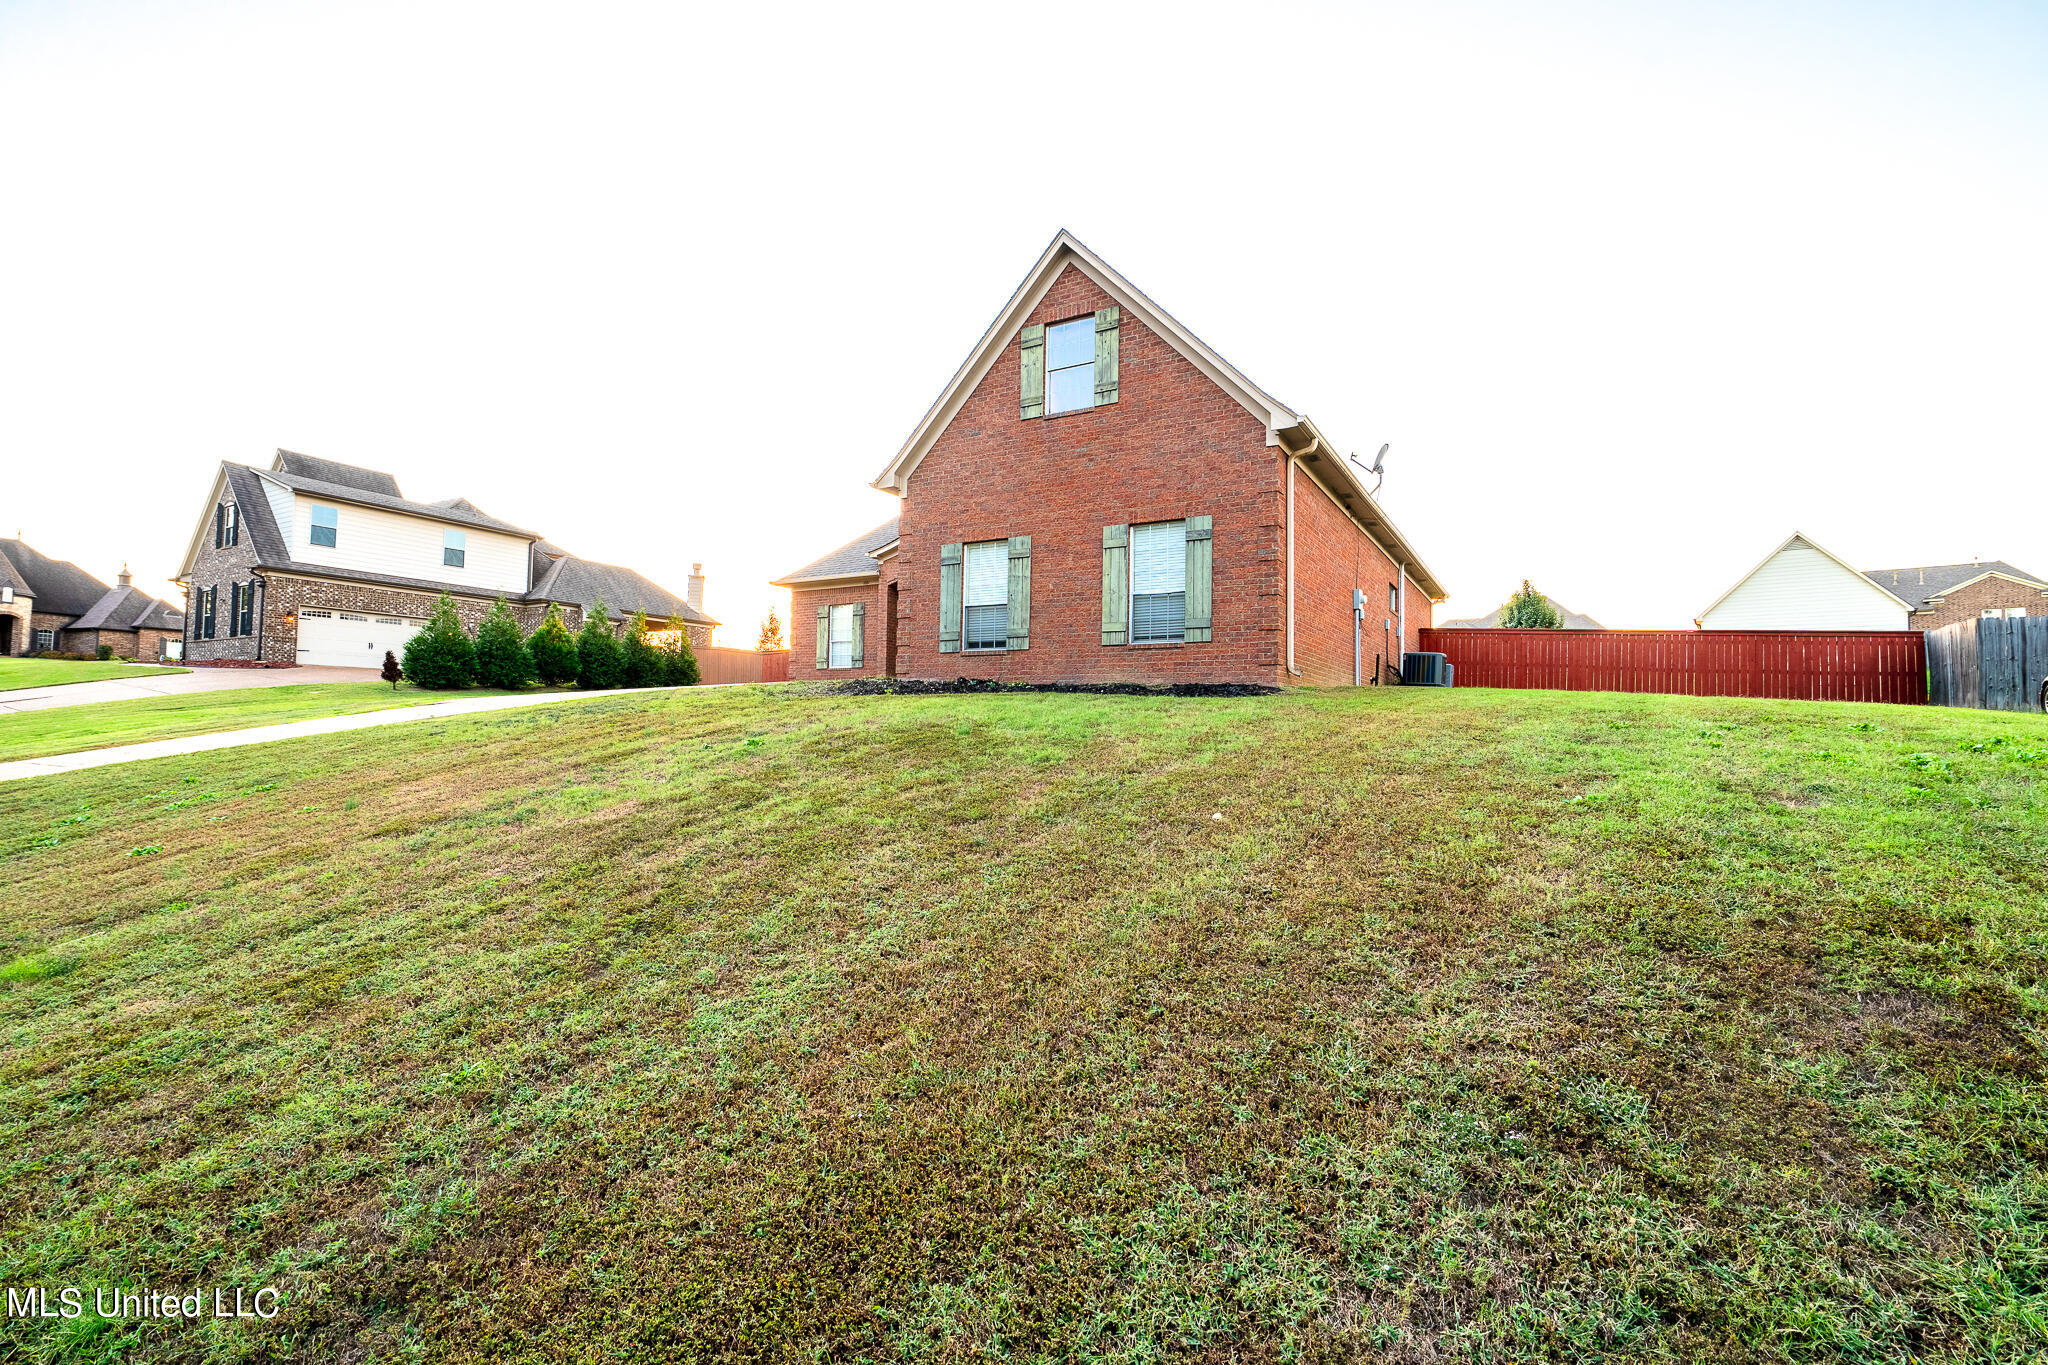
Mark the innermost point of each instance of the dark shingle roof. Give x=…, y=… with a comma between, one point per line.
x=456, y=510
x=1925, y=581
x=1491, y=621
x=584, y=581
x=11, y=578
x=851, y=560
x=128, y=609
x=335, y=472
x=59, y=586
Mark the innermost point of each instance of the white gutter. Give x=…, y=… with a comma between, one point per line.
x=1401, y=603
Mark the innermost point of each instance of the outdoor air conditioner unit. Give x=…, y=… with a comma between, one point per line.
x=1425, y=670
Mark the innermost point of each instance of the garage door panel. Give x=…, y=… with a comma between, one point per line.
x=352, y=639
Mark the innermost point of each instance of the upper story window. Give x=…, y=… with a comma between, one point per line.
x=1159, y=574
x=454, y=547
x=1070, y=365
x=227, y=525
x=985, y=595
x=325, y=522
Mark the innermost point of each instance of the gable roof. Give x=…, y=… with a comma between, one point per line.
x=584, y=581
x=853, y=560
x=128, y=609
x=1800, y=538
x=10, y=577
x=60, y=587
x=459, y=511
x=1067, y=251
x=1491, y=621
x=1922, y=583
x=335, y=472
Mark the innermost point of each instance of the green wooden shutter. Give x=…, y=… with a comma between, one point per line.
x=1017, y=633
x=1201, y=555
x=949, y=595
x=860, y=633
x=1116, y=585
x=824, y=637
x=1031, y=388
x=1105, y=355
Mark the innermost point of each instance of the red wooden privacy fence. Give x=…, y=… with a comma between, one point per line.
x=1801, y=665
x=717, y=664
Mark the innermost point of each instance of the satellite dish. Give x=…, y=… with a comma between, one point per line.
x=1378, y=466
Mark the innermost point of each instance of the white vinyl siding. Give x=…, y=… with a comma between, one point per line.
x=985, y=595
x=1800, y=588
x=284, y=511
x=377, y=541
x=1159, y=573
x=840, y=654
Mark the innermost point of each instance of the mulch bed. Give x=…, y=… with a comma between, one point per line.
x=912, y=687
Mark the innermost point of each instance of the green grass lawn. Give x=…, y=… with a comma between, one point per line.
x=757, y=1025
x=17, y=673
x=99, y=725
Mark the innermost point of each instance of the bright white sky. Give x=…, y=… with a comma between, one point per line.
x=1633, y=290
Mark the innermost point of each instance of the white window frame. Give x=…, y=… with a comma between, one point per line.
x=314, y=525
x=969, y=600
x=1087, y=324
x=834, y=657
x=1131, y=606
x=45, y=639
x=456, y=542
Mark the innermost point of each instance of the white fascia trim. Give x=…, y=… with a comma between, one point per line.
x=1416, y=569
x=841, y=581
x=1064, y=251
x=1789, y=541
x=1988, y=573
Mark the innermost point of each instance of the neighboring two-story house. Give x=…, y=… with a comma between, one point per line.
x=315, y=562
x=1099, y=496
x=52, y=604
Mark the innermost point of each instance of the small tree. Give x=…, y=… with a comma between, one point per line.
x=502, y=658
x=553, y=649
x=598, y=657
x=639, y=659
x=441, y=656
x=391, y=673
x=771, y=633
x=679, y=662
x=1529, y=610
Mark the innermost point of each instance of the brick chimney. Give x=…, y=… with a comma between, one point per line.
x=695, y=595
x=125, y=579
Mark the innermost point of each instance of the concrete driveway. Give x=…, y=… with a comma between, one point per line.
x=174, y=684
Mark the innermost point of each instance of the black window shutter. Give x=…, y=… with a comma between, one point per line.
x=220, y=515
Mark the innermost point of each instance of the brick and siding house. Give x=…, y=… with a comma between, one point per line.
x=1942, y=594
x=315, y=562
x=1099, y=496
x=52, y=604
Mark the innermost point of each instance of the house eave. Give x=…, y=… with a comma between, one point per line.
x=1320, y=457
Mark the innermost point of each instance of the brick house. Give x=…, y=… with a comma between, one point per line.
x=52, y=604
x=316, y=562
x=1942, y=594
x=1099, y=496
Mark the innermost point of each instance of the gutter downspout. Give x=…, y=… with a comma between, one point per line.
x=1401, y=612
x=1293, y=460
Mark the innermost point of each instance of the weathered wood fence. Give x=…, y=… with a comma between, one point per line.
x=1801, y=665
x=1992, y=663
x=718, y=664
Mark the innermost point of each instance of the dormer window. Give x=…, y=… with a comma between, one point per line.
x=454, y=548
x=325, y=521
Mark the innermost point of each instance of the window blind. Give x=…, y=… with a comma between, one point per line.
x=985, y=595
x=1159, y=560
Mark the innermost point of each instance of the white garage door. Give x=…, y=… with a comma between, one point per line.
x=349, y=639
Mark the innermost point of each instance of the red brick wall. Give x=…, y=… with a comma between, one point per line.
x=1968, y=603
x=1172, y=445
x=1331, y=558
x=803, y=630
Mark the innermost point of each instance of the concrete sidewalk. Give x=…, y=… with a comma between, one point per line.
x=173, y=685
x=264, y=734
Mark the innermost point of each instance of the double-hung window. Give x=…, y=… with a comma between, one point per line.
x=325, y=522
x=227, y=525
x=1159, y=573
x=840, y=654
x=245, y=608
x=454, y=547
x=46, y=639
x=985, y=596
x=1070, y=365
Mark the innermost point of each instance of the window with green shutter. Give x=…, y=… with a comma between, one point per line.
x=949, y=599
x=1200, y=561
x=824, y=637
x=1106, y=330
x=1031, y=386
x=1116, y=584
x=1017, y=629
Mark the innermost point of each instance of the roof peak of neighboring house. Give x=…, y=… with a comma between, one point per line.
x=1923, y=584
x=58, y=586
x=1571, y=620
x=1068, y=251
x=1800, y=538
x=851, y=562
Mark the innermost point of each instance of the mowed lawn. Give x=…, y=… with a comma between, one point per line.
x=758, y=1025
x=17, y=673
x=100, y=725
